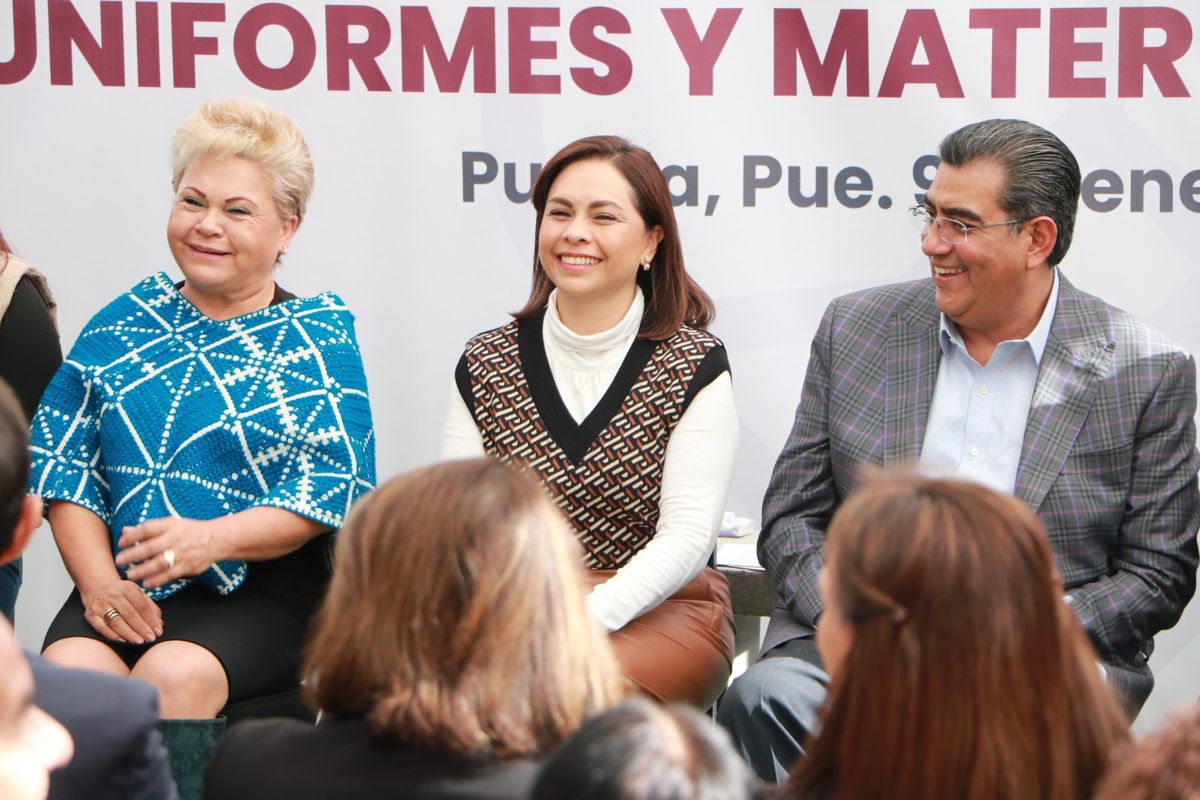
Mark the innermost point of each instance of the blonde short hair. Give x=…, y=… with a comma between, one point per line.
x=254, y=131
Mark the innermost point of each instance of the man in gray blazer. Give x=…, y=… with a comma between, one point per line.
x=118, y=751
x=996, y=369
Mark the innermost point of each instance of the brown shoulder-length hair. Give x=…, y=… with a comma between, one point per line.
x=968, y=675
x=455, y=619
x=673, y=299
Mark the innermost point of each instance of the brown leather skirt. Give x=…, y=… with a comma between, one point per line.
x=682, y=649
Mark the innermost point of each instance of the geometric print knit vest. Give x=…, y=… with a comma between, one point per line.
x=605, y=473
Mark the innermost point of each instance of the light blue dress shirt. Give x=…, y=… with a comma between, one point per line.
x=977, y=418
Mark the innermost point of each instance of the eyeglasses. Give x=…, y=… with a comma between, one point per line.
x=950, y=231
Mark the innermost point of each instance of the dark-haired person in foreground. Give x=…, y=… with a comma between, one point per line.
x=32, y=744
x=995, y=369
x=118, y=752
x=643, y=751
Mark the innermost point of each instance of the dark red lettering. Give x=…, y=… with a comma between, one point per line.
x=701, y=53
x=24, y=29
x=584, y=39
x=523, y=50
x=304, y=46
x=106, y=57
x=1135, y=56
x=149, y=65
x=847, y=44
x=1004, y=24
x=186, y=45
x=920, y=27
x=340, y=52
x=1066, y=52
x=476, y=38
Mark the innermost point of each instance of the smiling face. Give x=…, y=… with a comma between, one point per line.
x=591, y=242
x=31, y=742
x=994, y=284
x=226, y=233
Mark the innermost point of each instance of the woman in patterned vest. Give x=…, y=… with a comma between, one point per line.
x=203, y=439
x=608, y=387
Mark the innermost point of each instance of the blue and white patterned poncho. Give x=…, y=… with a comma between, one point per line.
x=161, y=411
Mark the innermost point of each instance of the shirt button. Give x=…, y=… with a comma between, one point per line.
x=983, y=389
x=974, y=452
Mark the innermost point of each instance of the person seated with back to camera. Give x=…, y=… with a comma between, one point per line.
x=32, y=743
x=453, y=650
x=1163, y=766
x=644, y=751
x=202, y=440
x=118, y=753
x=956, y=668
x=608, y=386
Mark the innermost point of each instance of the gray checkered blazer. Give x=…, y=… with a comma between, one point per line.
x=1109, y=459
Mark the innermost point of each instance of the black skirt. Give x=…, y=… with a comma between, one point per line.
x=257, y=632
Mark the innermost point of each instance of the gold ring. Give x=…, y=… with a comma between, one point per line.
x=110, y=615
x=169, y=557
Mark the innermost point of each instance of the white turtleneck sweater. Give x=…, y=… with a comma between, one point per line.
x=696, y=469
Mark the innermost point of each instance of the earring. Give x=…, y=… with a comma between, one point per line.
x=646, y=262
x=283, y=251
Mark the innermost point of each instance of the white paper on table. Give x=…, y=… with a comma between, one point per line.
x=743, y=555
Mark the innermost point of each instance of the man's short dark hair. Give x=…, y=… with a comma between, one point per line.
x=642, y=751
x=14, y=462
x=1042, y=175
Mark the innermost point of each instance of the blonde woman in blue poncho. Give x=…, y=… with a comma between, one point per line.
x=204, y=439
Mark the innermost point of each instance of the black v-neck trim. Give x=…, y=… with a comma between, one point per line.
x=572, y=437
x=280, y=295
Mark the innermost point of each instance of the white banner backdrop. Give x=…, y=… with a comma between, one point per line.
x=796, y=135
